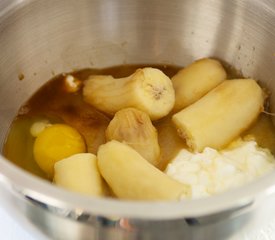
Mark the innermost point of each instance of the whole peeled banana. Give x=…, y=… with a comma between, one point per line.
x=147, y=89
x=221, y=115
x=194, y=81
x=130, y=176
x=134, y=127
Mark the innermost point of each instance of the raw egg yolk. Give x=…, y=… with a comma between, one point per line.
x=55, y=143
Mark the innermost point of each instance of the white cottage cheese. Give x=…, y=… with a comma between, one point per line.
x=213, y=171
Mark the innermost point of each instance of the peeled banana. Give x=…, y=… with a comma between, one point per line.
x=194, y=81
x=130, y=176
x=148, y=89
x=79, y=173
x=221, y=115
x=134, y=127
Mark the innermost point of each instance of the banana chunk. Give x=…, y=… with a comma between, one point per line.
x=130, y=176
x=194, y=81
x=134, y=127
x=221, y=115
x=79, y=173
x=148, y=89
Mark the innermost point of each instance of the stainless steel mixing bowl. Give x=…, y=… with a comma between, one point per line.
x=43, y=37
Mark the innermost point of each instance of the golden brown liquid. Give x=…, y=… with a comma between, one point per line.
x=53, y=102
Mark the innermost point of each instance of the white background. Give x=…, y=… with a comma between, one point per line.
x=11, y=230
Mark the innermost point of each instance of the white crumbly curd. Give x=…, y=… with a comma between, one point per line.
x=213, y=171
x=72, y=84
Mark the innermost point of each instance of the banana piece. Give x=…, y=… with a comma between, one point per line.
x=79, y=173
x=130, y=176
x=221, y=115
x=194, y=81
x=134, y=127
x=148, y=89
